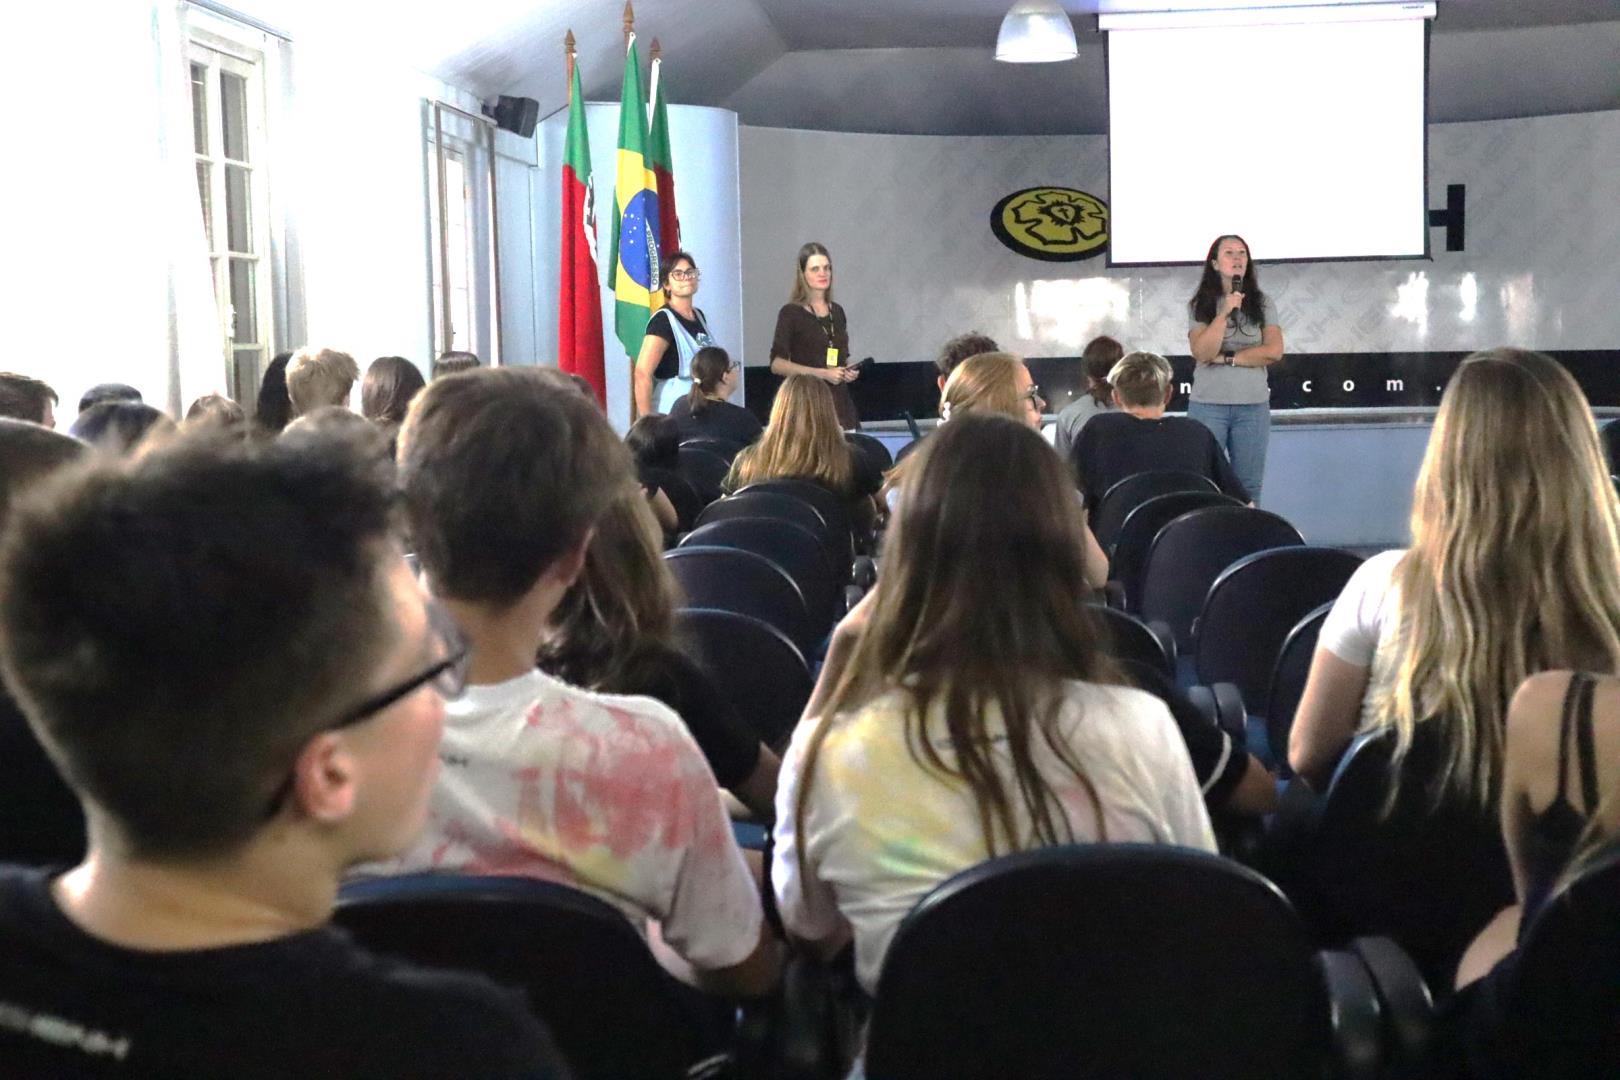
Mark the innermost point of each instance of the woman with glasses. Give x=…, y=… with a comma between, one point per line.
x=970, y=710
x=675, y=333
x=706, y=412
x=812, y=333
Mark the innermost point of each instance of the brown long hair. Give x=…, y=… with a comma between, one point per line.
x=803, y=440
x=709, y=366
x=801, y=291
x=623, y=602
x=1514, y=566
x=977, y=613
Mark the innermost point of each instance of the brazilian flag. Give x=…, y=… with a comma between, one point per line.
x=633, y=267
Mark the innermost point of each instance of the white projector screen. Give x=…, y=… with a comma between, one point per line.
x=1305, y=139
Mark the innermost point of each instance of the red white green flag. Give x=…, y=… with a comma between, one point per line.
x=663, y=165
x=579, y=322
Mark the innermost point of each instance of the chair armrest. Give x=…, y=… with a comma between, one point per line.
x=1166, y=636
x=863, y=572
x=1113, y=595
x=1407, y=1006
x=1353, y=1016
x=852, y=596
x=1203, y=699
x=1229, y=707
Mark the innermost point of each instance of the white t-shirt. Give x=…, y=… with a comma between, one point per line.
x=1360, y=629
x=602, y=792
x=880, y=832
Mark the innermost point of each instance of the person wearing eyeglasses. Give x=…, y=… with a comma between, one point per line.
x=242, y=722
x=706, y=411
x=675, y=333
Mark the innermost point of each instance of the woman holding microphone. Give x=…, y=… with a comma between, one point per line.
x=1234, y=336
x=812, y=333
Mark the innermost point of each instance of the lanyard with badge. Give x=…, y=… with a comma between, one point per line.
x=827, y=326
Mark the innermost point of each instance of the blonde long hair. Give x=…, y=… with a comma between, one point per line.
x=977, y=612
x=1514, y=566
x=803, y=440
x=986, y=383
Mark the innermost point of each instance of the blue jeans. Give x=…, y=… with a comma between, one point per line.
x=1242, y=431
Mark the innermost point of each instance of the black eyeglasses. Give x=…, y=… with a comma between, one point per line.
x=448, y=676
x=685, y=275
x=1033, y=393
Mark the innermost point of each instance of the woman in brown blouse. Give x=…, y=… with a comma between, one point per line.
x=812, y=333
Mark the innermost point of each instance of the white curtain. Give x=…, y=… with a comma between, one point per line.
x=106, y=277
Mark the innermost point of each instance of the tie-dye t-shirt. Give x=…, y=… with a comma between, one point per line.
x=602, y=792
x=880, y=832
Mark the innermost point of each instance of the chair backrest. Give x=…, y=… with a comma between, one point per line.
x=1559, y=1004
x=1252, y=607
x=1130, y=492
x=831, y=506
x=1100, y=961
x=1192, y=551
x=726, y=448
x=743, y=581
x=1288, y=683
x=789, y=545
x=585, y=970
x=682, y=495
x=1131, y=640
x=704, y=469
x=784, y=507
x=872, y=448
x=1427, y=876
x=1135, y=537
x=756, y=666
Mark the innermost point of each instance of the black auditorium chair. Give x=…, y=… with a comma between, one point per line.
x=744, y=581
x=831, y=506
x=1252, y=607
x=781, y=507
x=1557, y=1002
x=726, y=448
x=1429, y=874
x=1112, y=961
x=1135, y=536
x=758, y=668
x=557, y=945
x=1127, y=494
x=871, y=447
x=1288, y=683
x=704, y=469
x=789, y=545
x=1131, y=639
x=1191, y=552
x=682, y=495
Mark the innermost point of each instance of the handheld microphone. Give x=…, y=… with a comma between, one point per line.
x=1232, y=316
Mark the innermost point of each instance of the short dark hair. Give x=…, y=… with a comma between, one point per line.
x=655, y=440
x=216, y=410
x=386, y=391
x=24, y=398
x=667, y=261
x=29, y=452
x=449, y=363
x=504, y=470
x=274, y=407
x=961, y=347
x=178, y=626
x=108, y=391
x=119, y=426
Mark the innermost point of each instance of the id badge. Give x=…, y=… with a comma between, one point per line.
x=832, y=356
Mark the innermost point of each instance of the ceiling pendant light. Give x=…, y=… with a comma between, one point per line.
x=1036, y=32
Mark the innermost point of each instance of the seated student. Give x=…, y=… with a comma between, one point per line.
x=40, y=820
x=614, y=631
x=390, y=384
x=1096, y=361
x=970, y=711
x=449, y=363
x=108, y=391
x=121, y=427
x=24, y=398
x=1140, y=438
x=706, y=411
x=273, y=409
x=318, y=377
x=506, y=473
x=215, y=411
x=958, y=349
x=242, y=721
x=804, y=441
x=655, y=442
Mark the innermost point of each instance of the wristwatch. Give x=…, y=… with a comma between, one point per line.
x=1230, y=358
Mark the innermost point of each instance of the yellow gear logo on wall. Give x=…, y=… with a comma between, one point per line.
x=1056, y=224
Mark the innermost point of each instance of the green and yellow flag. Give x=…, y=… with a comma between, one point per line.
x=633, y=271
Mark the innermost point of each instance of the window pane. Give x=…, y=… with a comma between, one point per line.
x=245, y=375
x=238, y=233
x=244, y=313
x=199, y=108
x=206, y=192
x=233, y=103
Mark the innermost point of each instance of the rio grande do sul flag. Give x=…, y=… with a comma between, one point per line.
x=579, y=322
x=663, y=164
x=633, y=273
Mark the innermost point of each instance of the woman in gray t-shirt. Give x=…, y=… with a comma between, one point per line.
x=1234, y=337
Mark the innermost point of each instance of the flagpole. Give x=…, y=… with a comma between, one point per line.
x=652, y=84
x=568, y=53
x=629, y=23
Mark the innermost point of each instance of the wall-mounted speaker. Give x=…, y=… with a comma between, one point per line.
x=515, y=114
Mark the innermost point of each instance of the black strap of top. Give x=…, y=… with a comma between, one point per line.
x=1578, y=715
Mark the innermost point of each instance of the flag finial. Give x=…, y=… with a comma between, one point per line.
x=629, y=19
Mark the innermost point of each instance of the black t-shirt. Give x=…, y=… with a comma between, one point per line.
x=658, y=326
x=731, y=747
x=40, y=819
x=716, y=420
x=310, y=1005
x=1116, y=445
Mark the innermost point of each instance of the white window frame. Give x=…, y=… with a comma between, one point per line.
x=468, y=140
